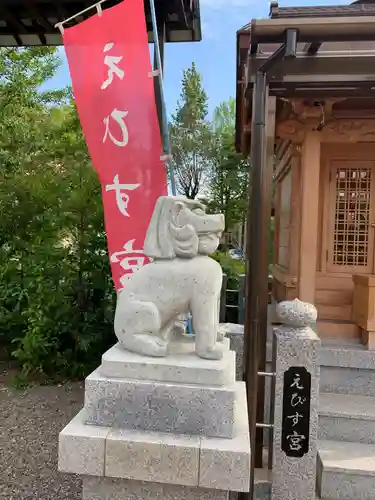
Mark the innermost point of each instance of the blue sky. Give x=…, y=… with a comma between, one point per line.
x=215, y=55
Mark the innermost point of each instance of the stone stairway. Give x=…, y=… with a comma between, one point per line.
x=346, y=448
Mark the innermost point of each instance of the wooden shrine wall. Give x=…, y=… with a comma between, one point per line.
x=336, y=264
x=284, y=282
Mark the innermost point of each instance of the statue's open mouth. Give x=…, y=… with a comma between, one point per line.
x=209, y=238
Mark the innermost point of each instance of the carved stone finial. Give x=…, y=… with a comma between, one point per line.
x=296, y=313
x=181, y=278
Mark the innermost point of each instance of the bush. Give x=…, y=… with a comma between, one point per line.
x=231, y=267
x=56, y=292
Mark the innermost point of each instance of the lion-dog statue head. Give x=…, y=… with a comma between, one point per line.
x=181, y=228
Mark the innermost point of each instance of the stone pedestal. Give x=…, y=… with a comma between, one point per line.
x=296, y=404
x=173, y=428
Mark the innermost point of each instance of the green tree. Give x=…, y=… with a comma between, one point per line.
x=56, y=293
x=190, y=135
x=229, y=174
x=23, y=106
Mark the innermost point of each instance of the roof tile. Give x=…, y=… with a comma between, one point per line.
x=356, y=9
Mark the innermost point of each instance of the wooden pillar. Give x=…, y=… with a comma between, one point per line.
x=276, y=237
x=270, y=161
x=295, y=213
x=310, y=169
x=244, y=237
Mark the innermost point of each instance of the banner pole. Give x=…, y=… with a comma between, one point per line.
x=164, y=122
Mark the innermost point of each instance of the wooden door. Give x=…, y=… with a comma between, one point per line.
x=351, y=217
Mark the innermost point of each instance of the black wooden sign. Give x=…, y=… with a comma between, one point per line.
x=296, y=412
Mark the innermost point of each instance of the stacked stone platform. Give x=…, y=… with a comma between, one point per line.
x=168, y=428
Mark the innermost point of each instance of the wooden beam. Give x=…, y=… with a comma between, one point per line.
x=305, y=70
x=18, y=39
x=324, y=91
x=182, y=11
x=312, y=48
x=335, y=29
x=254, y=49
x=13, y=22
x=340, y=130
x=39, y=16
x=310, y=171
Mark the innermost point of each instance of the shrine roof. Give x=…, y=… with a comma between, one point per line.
x=360, y=8
x=31, y=22
x=335, y=54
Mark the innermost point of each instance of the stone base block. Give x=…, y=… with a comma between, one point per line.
x=82, y=447
x=159, y=406
x=181, y=366
x=154, y=457
x=225, y=463
x=95, y=488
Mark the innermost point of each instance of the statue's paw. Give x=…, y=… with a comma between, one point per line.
x=215, y=353
x=160, y=342
x=145, y=345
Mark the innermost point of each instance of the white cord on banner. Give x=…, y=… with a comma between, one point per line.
x=61, y=27
x=96, y=5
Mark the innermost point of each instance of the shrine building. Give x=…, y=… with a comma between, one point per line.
x=320, y=145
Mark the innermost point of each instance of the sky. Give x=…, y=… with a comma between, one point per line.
x=215, y=55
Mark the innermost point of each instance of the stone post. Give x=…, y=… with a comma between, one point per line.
x=296, y=402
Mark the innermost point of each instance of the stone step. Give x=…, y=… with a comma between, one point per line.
x=348, y=355
x=341, y=362
x=346, y=471
x=345, y=417
x=347, y=369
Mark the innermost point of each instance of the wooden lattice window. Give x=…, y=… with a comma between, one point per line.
x=352, y=216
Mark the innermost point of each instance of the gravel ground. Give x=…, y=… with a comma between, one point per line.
x=30, y=421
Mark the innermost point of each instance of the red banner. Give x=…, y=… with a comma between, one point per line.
x=112, y=82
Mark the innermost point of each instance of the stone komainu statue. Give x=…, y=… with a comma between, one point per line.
x=180, y=279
